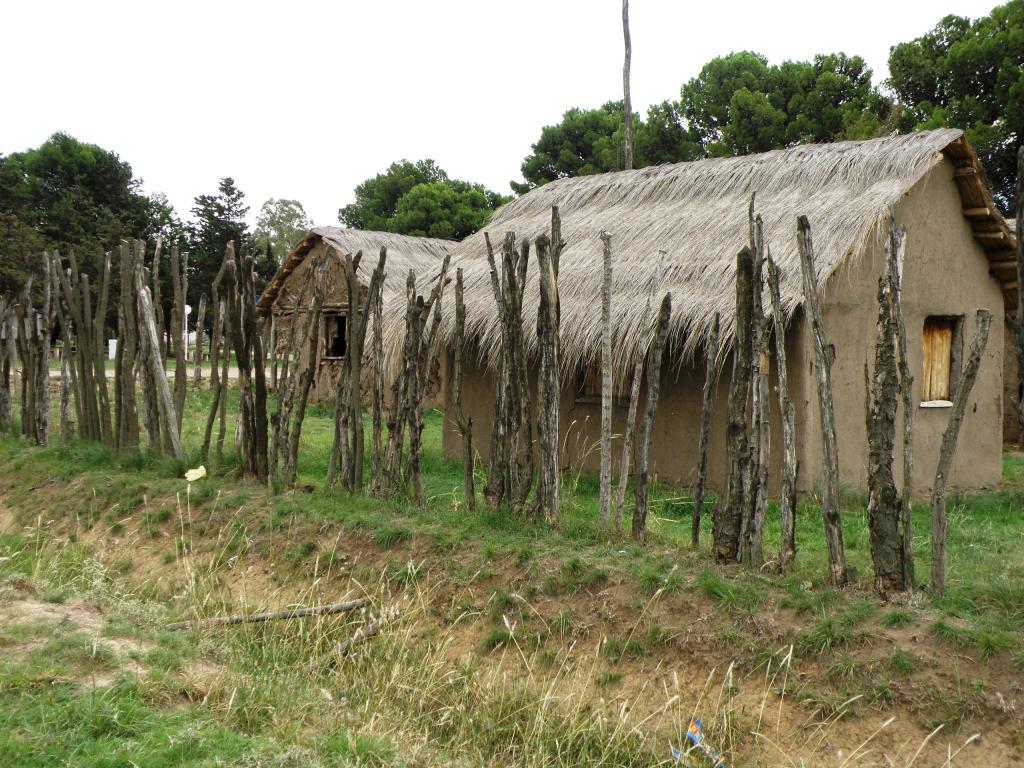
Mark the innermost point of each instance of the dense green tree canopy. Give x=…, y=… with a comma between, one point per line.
x=420, y=199
x=589, y=141
x=740, y=104
x=216, y=220
x=65, y=194
x=969, y=75
x=280, y=225
x=377, y=198
x=449, y=211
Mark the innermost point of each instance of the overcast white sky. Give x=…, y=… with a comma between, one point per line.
x=304, y=100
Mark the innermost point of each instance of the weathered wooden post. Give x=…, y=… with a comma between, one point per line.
x=463, y=422
x=654, y=358
x=281, y=419
x=197, y=375
x=512, y=445
x=895, y=246
x=606, y=357
x=823, y=357
x=883, y=504
x=99, y=324
x=131, y=258
x=549, y=380
x=218, y=342
x=496, y=488
x=787, y=490
x=377, y=399
x=425, y=355
x=757, y=494
x=168, y=417
x=1018, y=324
x=982, y=322
x=634, y=398
x=179, y=326
x=710, y=368
x=293, y=432
x=729, y=512
x=7, y=331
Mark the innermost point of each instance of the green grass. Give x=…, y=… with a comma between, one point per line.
x=148, y=719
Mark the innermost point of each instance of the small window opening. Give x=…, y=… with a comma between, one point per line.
x=588, y=389
x=942, y=341
x=336, y=343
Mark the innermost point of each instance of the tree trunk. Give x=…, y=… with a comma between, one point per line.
x=425, y=350
x=787, y=491
x=197, y=375
x=751, y=550
x=377, y=402
x=895, y=254
x=494, y=489
x=281, y=420
x=305, y=384
x=549, y=380
x=606, y=348
x=218, y=342
x=99, y=325
x=634, y=399
x=168, y=417
x=397, y=418
x=627, y=101
x=512, y=444
x=464, y=423
x=6, y=353
x=824, y=356
x=655, y=356
x=883, y=504
x=158, y=302
x=729, y=513
x=131, y=260
x=982, y=322
x=710, y=358
x=1018, y=324
x=179, y=324
x=41, y=416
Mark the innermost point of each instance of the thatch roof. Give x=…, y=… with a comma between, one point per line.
x=421, y=254
x=697, y=213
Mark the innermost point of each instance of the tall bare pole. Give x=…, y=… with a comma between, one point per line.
x=179, y=324
x=464, y=423
x=710, y=367
x=606, y=374
x=884, y=517
x=895, y=255
x=824, y=356
x=728, y=517
x=634, y=400
x=197, y=376
x=549, y=385
x=627, y=101
x=982, y=322
x=787, y=490
x=1018, y=325
x=654, y=358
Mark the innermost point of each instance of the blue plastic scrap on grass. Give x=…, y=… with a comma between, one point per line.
x=695, y=734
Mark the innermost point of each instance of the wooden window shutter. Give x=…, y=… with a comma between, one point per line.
x=938, y=347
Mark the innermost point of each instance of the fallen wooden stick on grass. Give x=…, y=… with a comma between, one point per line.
x=294, y=613
x=363, y=633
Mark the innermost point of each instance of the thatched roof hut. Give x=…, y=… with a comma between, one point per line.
x=278, y=302
x=960, y=256
x=697, y=213
x=421, y=254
